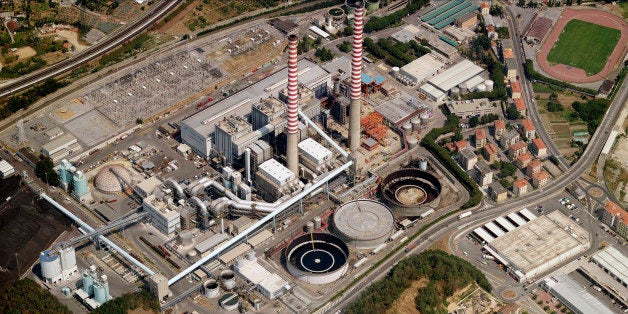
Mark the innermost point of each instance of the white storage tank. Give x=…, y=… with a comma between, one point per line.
x=489, y=85
x=413, y=142
x=50, y=266
x=423, y=164
x=416, y=123
x=211, y=288
x=481, y=87
x=407, y=128
x=317, y=222
x=229, y=301
x=425, y=118
x=395, y=72
x=228, y=279
x=309, y=227
x=88, y=283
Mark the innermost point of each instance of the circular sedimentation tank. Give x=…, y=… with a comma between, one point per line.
x=229, y=301
x=410, y=191
x=363, y=224
x=317, y=258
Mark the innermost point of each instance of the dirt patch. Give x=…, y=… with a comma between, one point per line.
x=54, y=57
x=453, y=300
x=140, y=311
x=509, y=294
x=25, y=52
x=64, y=113
x=405, y=302
x=442, y=244
x=178, y=19
x=72, y=37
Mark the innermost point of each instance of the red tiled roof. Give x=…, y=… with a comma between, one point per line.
x=500, y=124
x=13, y=25
x=517, y=146
x=484, y=5
x=527, y=125
x=525, y=157
x=541, y=175
x=515, y=87
x=491, y=148
x=490, y=28
x=461, y=144
x=519, y=103
x=521, y=183
x=614, y=209
x=480, y=134
x=538, y=142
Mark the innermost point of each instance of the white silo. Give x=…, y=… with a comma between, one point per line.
x=100, y=293
x=416, y=123
x=50, y=266
x=413, y=142
x=423, y=164
x=489, y=85
x=425, y=118
x=68, y=261
x=88, y=283
x=407, y=128
x=481, y=87
x=211, y=288
x=395, y=72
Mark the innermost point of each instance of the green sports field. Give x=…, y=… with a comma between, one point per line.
x=584, y=45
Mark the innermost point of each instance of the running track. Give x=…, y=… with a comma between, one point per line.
x=575, y=75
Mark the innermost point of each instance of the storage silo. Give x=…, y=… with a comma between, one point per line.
x=416, y=123
x=481, y=87
x=211, y=288
x=425, y=118
x=100, y=294
x=80, y=183
x=88, y=283
x=489, y=85
x=309, y=227
x=68, y=260
x=228, y=279
x=395, y=72
x=423, y=164
x=317, y=222
x=407, y=128
x=65, y=176
x=413, y=142
x=50, y=266
x=105, y=283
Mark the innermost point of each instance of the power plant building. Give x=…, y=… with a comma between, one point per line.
x=464, y=75
x=164, y=216
x=314, y=156
x=269, y=284
x=422, y=68
x=274, y=180
x=198, y=130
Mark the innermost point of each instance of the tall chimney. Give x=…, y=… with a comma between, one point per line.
x=292, y=153
x=356, y=78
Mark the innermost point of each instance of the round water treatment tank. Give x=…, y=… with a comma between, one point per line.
x=211, y=288
x=410, y=191
x=228, y=279
x=363, y=224
x=317, y=258
x=112, y=178
x=229, y=301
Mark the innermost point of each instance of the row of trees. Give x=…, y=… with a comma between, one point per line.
x=324, y=54
x=128, y=302
x=592, y=112
x=395, y=53
x=15, y=103
x=27, y=296
x=446, y=274
x=378, y=23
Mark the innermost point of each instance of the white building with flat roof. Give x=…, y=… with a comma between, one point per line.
x=6, y=169
x=455, y=75
x=422, y=68
x=163, y=213
x=269, y=284
x=573, y=295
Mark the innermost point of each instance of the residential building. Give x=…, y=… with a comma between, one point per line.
x=515, y=89
x=480, y=138
x=540, y=179
x=497, y=192
x=468, y=159
x=500, y=128
x=616, y=218
x=483, y=173
x=523, y=160
x=460, y=145
x=490, y=152
x=484, y=8
x=511, y=65
x=510, y=138
x=527, y=129
x=534, y=167
x=539, y=148
x=517, y=149
x=520, y=187
x=520, y=105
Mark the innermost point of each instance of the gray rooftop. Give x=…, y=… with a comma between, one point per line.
x=613, y=260
x=567, y=289
x=497, y=187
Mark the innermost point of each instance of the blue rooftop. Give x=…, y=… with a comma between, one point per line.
x=379, y=79
x=366, y=79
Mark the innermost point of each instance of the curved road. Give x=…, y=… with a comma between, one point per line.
x=157, y=11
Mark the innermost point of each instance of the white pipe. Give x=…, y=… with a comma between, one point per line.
x=247, y=165
x=325, y=136
x=260, y=223
x=89, y=229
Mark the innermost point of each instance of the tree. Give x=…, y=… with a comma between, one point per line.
x=512, y=113
x=553, y=96
x=44, y=170
x=457, y=135
x=345, y=46
x=496, y=10
x=348, y=31
x=507, y=169
x=521, y=3
x=27, y=296
x=554, y=106
x=324, y=54
x=474, y=121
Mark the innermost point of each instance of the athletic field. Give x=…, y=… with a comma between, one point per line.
x=584, y=45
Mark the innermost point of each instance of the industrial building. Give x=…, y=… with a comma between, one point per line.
x=471, y=108
x=164, y=214
x=269, y=284
x=420, y=69
x=446, y=13
x=273, y=180
x=58, y=264
x=363, y=224
x=6, y=169
x=61, y=147
x=573, y=295
x=614, y=263
x=315, y=156
x=198, y=130
x=465, y=76
x=536, y=246
x=95, y=289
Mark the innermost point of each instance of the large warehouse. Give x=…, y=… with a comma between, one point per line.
x=465, y=75
x=421, y=68
x=197, y=130
x=536, y=246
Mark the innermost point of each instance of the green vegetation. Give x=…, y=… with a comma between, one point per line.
x=395, y=53
x=447, y=273
x=502, y=32
x=553, y=106
x=480, y=50
x=127, y=50
x=22, y=67
x=584, y=45
x=26, y=296
x=345, y=46
x=507, y=169
x=128, y=302
x=534, y=75
x=378, y=23
x=496, y=10
x=624, y=6
x=17, y=102
x=324, y=54
x=429, y=142
x=591, y=112
x=44, y=170
x=102, y=6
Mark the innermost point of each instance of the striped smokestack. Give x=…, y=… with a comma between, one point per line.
x=292, y=153
x=356, y=78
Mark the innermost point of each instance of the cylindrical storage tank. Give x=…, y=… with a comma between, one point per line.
x=228, y=279
x=192, y=254
x=317, y=222
x=251, y=256
x=395, y=72
x=363, y=224
x=100, y=295
x=425, y=118
x=407, y=128
x=413, y=142
x=423, y=164
x=416, y=123
x=454, y=91
x=317, y=258
x=88, y=283
x=211, y=288
x=489, y=85
x=68, y=258
x=80, y=183
x=463, y=87
x=185, y=238
x=411, y=191
x=309, y=227
x=66, y=291
x=50, y=265
x=239, y=263
x=105, y=283
x=65, y=176
x=481, y=87
x=229, y=301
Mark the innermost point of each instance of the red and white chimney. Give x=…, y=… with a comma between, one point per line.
x=356, y=77
x=292, y=153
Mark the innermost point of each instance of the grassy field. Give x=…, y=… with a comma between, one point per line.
x=580, y=41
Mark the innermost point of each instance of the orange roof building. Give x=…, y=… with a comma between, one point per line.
x=489, y=152
x=515, y=89
x=616, y=217
x=460, y=145
x=528, y=129
x=540, y=179
x=523, y=160
x=520, y=187
x=539, y=148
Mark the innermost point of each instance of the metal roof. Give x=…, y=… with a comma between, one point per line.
x=567, y=289
x=423, y=67
x=211, y=242
x=276, y=171
x=517, y=219
x=314, y=150
x=459, y=73
x=613, y=260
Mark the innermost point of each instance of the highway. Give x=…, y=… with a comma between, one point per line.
x=140, y=24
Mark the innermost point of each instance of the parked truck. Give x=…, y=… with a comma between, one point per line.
x=427, y=213
x=485, y=256
x=464, y=215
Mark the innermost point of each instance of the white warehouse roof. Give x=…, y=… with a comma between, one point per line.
x=422, y=68
x=460, y=72
x=432, y=91
x=5, y=167
x=277, y=172
x=613, y=260
x=314, y=151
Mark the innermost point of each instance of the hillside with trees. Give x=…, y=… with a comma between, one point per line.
x=446, y=273
x=128, y=302
x=26, y=296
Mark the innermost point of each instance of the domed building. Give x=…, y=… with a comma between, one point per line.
x=112, y=178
